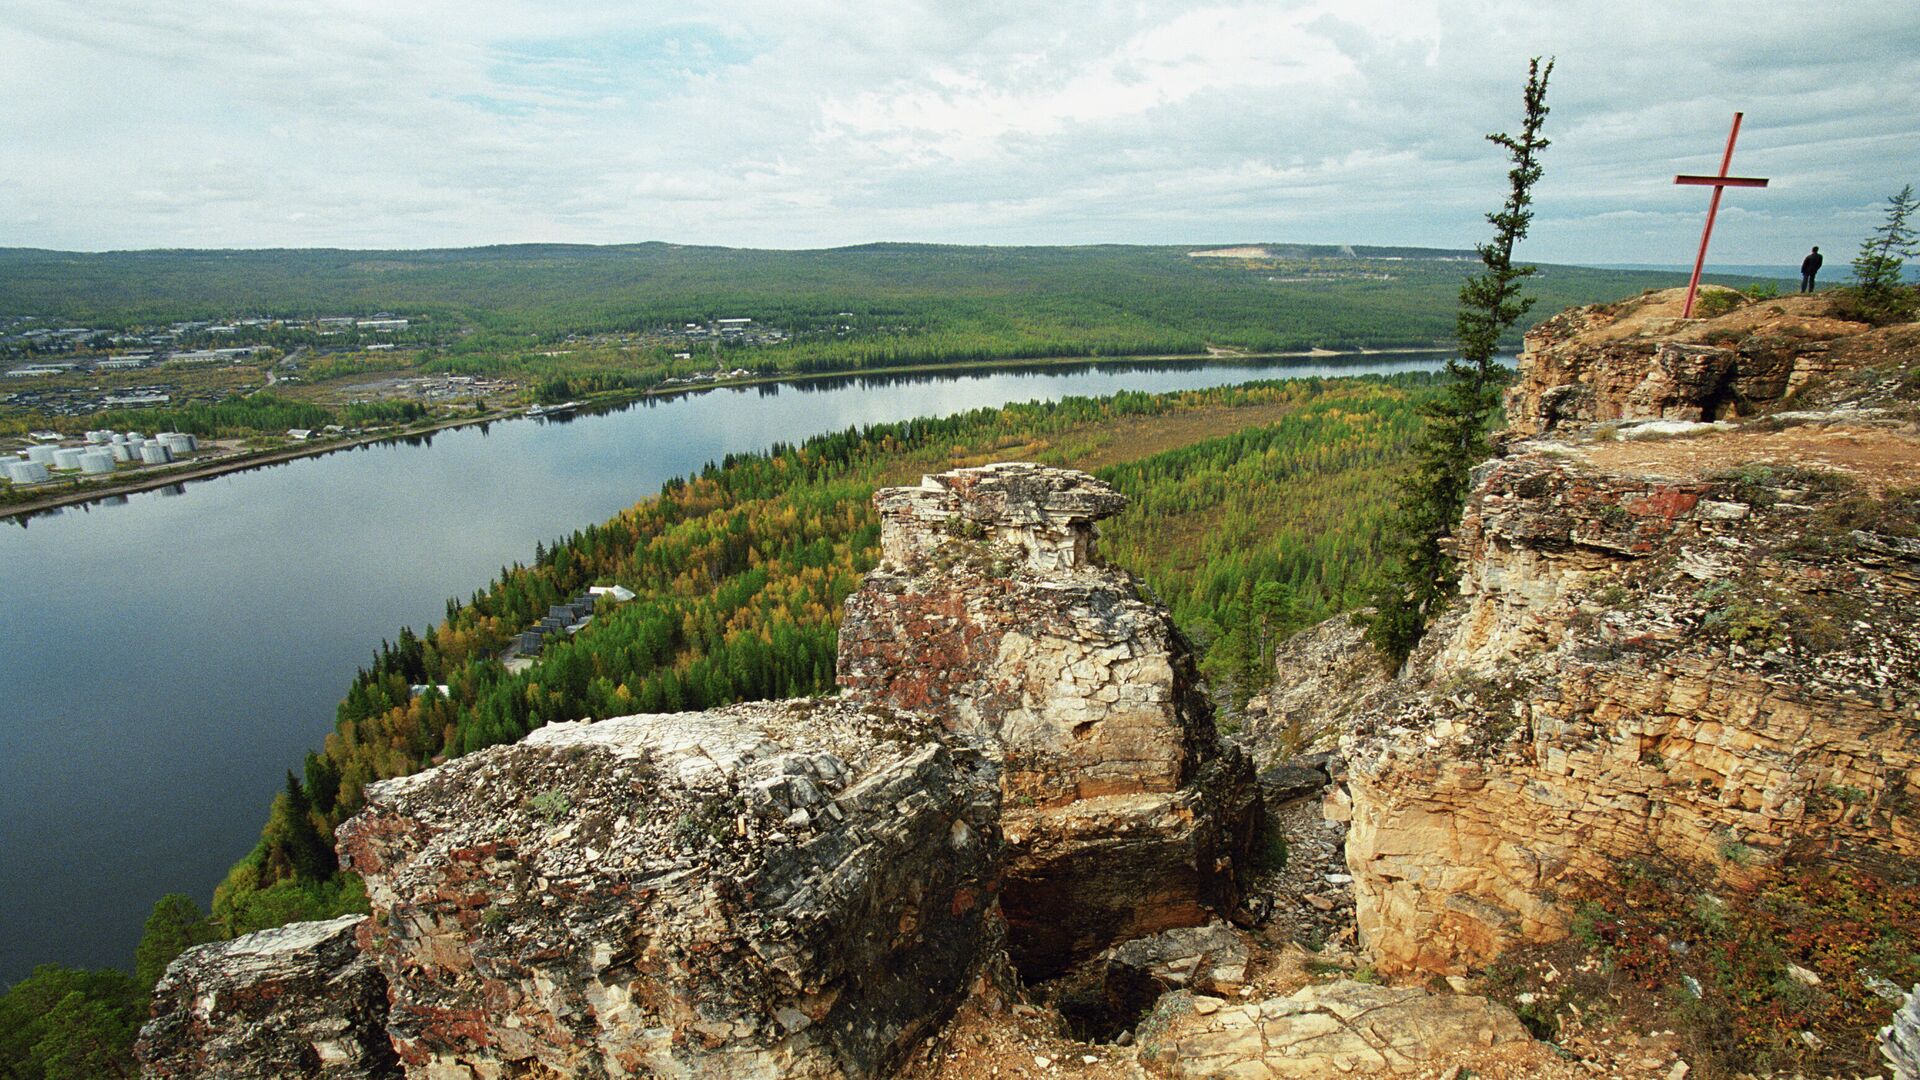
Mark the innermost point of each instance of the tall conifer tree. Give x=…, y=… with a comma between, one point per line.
x=1455, y=437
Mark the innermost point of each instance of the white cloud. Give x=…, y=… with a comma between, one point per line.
x=815, y=122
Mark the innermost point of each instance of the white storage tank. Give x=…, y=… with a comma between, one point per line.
x=96, y=461
x=122, y=452
x=99, y=437
x=26, y=472
x=155, y=453
x=176, y=442
x=68, y=457
x=119, y=437
x=41, y=454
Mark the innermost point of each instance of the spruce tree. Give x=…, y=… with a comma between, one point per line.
x=1454, y=438
x=1876, y=270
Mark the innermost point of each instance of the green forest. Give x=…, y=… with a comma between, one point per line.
x=740, y=573
x=858, y=307
x=1253, y=510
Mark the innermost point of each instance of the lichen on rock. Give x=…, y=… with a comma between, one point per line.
x=776, y=889
x=298, y=1001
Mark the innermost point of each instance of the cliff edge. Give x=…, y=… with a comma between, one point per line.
x=1687, y=630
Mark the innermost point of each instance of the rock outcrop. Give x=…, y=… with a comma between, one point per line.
x=1637, y=360
x=296, y=1002
x=774, y=890
x=783, y=889
x=1328, y=1029
x=991, y=614
x=1701, y=649
x=1900, y=1040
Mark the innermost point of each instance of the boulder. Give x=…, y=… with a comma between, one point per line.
x=296, y=1001
x=796, y=889
x=992, y=615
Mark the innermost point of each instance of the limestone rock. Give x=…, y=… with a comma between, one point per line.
x=1331, y=1029
x=1210, y=959
x=297, y=1001
x=1900, y=1040
x=1328, y=675
x=796, y=889
x=1634, y=360
x=992, y=615
x=1701, y=663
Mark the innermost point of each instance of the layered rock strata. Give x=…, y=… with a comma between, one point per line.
x=298, y=1001
x=774, y=890
x=991, y=614
x=1689, y=654
x=1635, y=360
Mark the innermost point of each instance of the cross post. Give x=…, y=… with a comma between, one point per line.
x=1719, y=183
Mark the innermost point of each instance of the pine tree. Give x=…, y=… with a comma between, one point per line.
x=1455, y=436
x=175, y=925
x=1876, y=270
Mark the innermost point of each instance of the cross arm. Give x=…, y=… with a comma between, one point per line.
x=1721, y=181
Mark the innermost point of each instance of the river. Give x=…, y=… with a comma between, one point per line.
x=171, y=654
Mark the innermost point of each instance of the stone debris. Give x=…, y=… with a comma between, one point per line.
x=296, y=1001
x=1331, y=1029
x=1209, y=959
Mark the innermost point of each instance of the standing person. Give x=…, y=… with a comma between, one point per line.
x=1810, y=266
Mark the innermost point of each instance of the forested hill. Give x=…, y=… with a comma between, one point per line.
x=1112, y=300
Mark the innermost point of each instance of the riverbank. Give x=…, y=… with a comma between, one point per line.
x=241, y=462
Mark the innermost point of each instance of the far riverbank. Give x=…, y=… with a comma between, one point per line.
x=258, y=459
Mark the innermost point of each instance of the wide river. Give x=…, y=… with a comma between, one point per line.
x=170, y=655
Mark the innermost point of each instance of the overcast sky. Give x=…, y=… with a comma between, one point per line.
x=810, y=123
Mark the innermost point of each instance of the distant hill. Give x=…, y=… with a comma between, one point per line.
x=921, y=301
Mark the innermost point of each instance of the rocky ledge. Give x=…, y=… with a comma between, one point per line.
x=791, y=889
x=297, y=1001
x=1703, y=647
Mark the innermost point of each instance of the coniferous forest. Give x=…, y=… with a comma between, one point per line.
x=1253, y=510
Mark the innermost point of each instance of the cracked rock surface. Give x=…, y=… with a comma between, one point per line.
x=774, y=889
x=1330, y=1029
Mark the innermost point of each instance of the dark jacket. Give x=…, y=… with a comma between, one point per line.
x=1811, y=264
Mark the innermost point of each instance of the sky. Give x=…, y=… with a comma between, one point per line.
x=819, y=123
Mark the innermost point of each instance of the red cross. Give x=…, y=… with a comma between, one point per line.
x=1719, y=184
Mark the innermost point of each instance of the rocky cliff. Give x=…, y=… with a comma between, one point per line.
x=1692, y=640
x=777, y=889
